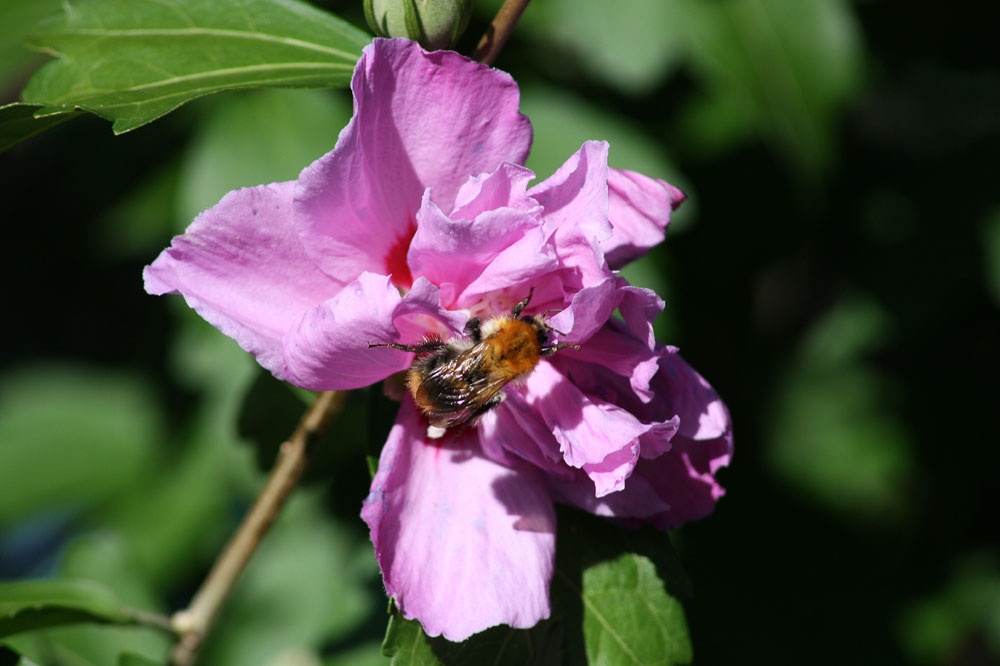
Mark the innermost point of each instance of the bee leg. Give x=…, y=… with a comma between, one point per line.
x=519, y=308
x=549, y=351
x=428, y=346
x=472, y=328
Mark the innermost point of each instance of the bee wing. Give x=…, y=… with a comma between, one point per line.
x=465, y=388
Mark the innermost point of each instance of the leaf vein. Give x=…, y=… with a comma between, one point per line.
x=600, y=618
x=207, y=32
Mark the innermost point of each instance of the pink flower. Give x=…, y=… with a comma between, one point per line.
x=419, y=219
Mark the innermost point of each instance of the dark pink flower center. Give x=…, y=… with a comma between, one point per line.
x=396, y=265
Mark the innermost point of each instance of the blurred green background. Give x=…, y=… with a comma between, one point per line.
x=835, y=274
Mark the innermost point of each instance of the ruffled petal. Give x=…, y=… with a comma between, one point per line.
x=575, y=202
x=667, y=491
x=639, y=211
x=515, y=429
x=674, y=479
x=638, y=500
x=505, y=187
x=685, y=478
x=421, y=120
x=328, y=348
x=575, y=197
x=640, y=308
x=610, y=350
x=464, y=543
x=609, y=475
x=589, y=430
x=684, y=392
x=241, y=266
x=587, y=312
x=501, y=246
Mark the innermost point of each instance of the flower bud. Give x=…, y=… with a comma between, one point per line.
x=435, y=24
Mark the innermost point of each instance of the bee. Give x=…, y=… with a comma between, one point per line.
x=456, y=381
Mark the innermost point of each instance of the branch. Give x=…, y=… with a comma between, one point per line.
x=194, y=622
x=498, y=32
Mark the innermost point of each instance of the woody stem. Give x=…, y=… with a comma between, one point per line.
x=498, y=32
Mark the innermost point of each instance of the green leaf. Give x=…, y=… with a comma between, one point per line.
x=610, y=593
x=105, y=557
x=132, y=61
x=406, y=643
x=71, y=437
x=37, y=604
x=780, y=68
x=102, y=559
x=628, y=616
x=19, y=122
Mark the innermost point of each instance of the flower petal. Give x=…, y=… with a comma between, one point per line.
x=674, y=479
x=241, y=266
x=609, y=475
x=575, y=202
x=422, y=120
x=514, y=428
x=501, y=247
x=610, y=350
x=589, y=430
x=575, y=197
x=666, y=491
x=587, y=312
x=505, y=187
x=464, y=543
x=328, y=349
x=639, y=210
x=640, y=308
x=686, y=393
x=685, y=478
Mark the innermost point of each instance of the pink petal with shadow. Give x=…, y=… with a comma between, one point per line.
x=463, y=542
x=639, y=308
x=612, y=348
x=686, y=393
x=587, y=312
x=515, y=429
x=685, y=478
x=667, y=491
x=328, y=349
x=589, y=430
x=241, y=266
